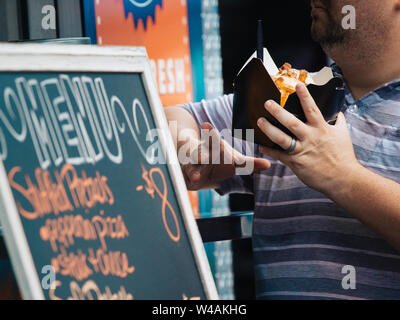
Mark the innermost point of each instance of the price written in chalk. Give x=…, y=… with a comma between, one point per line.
x=152, y=189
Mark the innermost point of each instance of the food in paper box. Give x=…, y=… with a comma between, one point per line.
x=261, y=80
x=288, y=78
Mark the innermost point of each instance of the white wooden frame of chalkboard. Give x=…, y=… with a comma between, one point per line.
x=85, y=58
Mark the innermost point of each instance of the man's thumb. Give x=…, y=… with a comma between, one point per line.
x=341, y=121
x=258, y=164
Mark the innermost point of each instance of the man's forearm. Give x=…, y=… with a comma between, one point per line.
x=372, y=199
x=183, y=126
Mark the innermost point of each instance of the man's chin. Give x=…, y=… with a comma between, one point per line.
x=328, y=35
x=318, y=31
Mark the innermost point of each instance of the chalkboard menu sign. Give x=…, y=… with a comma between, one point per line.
x=92, y=200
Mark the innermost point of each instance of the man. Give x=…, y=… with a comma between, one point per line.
x=327, y=214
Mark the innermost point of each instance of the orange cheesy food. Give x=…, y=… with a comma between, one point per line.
x=287, y=79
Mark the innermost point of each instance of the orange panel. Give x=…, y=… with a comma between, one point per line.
x=166, y=38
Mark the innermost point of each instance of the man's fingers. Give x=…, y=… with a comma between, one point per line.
x=219, y=151
x=195, y=176
x=199, y=155
x=288, y=120
x=199, y=150
x=273, y=153
x=274, y=134
x=192, y=171
x=259, y=164
x=311, y=110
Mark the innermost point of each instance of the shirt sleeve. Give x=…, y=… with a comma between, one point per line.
x=218, y=112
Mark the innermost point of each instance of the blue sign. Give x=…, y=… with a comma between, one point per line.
x=141, y=10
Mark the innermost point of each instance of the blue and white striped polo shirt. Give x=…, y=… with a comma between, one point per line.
x=301, y=239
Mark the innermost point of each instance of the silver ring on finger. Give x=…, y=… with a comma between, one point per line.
x=292, y=146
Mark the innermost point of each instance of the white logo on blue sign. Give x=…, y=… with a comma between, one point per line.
x=141, y=10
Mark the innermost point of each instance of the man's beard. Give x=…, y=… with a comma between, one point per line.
x=326, y=30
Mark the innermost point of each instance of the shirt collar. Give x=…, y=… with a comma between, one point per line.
x=349, y=99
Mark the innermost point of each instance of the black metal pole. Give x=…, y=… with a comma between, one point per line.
x=260, y=41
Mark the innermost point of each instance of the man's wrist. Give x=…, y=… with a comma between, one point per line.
x=346, y=180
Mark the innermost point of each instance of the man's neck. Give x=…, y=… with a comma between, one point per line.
x=364, y=74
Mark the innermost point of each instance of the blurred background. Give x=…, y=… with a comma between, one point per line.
x=196, y=48
x=286, y=34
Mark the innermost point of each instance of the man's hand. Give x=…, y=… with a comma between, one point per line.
x=324, y=160
x=324, y=154
x=213, y=160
